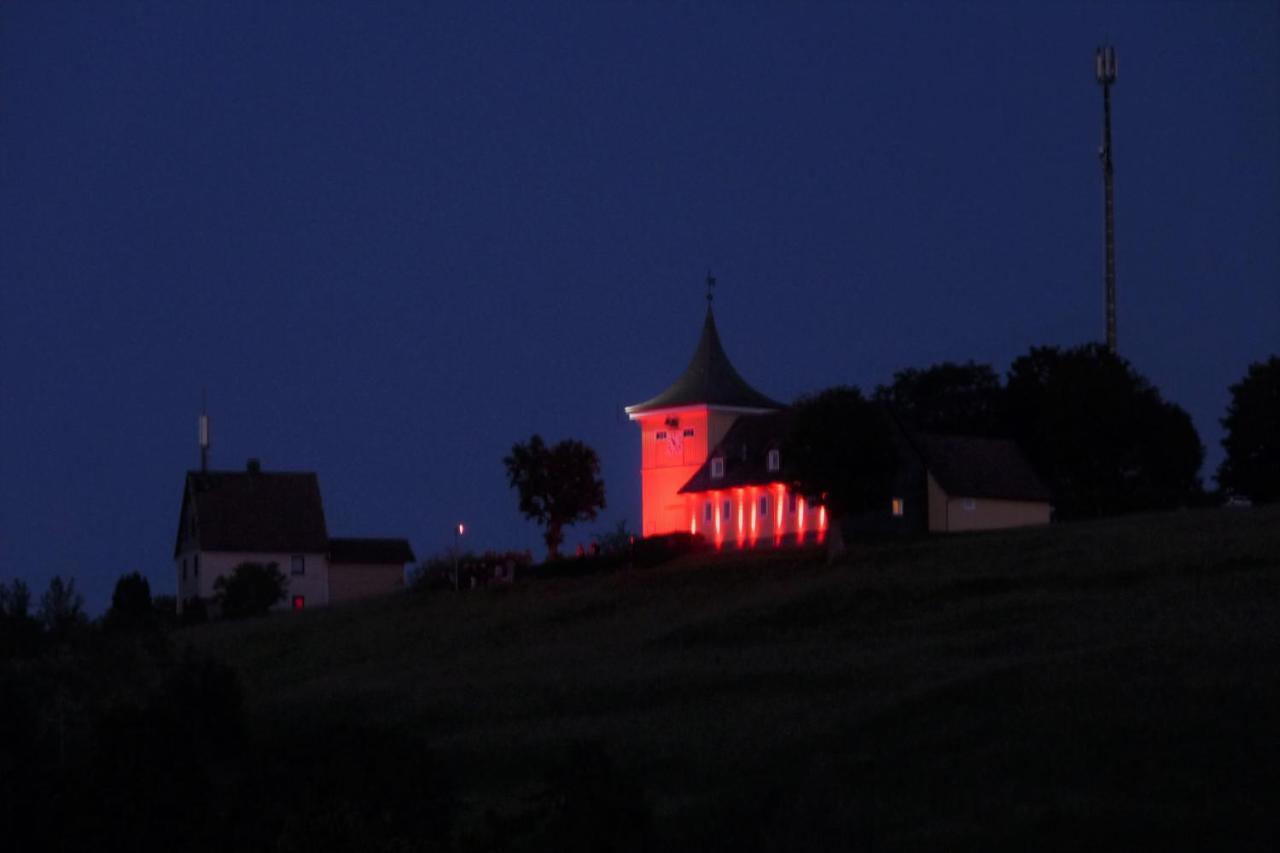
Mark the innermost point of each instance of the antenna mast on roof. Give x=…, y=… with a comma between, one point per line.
x=204, y=434
x=1105, y=69
x=711, y=283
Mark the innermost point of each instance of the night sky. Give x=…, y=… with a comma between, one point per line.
x=391, y=239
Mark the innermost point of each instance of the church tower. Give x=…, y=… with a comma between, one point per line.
x=683, y=424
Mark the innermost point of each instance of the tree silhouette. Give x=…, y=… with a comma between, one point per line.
x=1100, y=434
x=250, y=590
x=131, y=607
x=61, y=608
x=960, y=399
x=557, y=485
x=840, y=451
x=1252, y=442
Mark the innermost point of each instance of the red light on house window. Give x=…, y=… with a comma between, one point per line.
x=800, y=523
x=299, y=602
x=693, y=523
x=822, y=522
x=741, y=539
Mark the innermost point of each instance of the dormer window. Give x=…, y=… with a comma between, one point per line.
x=775, y=460
x=717, y=468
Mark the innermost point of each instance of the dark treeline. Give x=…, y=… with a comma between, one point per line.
x=1099, y=433
x=111, y=738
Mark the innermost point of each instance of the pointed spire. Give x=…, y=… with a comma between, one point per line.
x=710, y=378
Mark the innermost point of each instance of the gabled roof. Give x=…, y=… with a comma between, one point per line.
x=963, y=466
x=255, y=511
x=710, y=379
x=980, y=467
x=370, y=551
x=745, y=451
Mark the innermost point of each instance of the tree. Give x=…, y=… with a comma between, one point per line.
x=962, y=399
x=250, y=590
x=558, y=485
x=131, y=607
x=840, y=452
x=1100, y=434
x=61, y=607
x=1252, y=442
x=19, y=631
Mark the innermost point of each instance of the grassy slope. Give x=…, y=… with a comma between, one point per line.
x=1111, y=682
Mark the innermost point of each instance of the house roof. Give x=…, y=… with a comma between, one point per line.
x=980, y=467
x=710, y=379
x=370, y=551
x=255, y=511
x=745, y=450
x=963, y=466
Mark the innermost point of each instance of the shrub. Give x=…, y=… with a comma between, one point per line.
x=250, y=590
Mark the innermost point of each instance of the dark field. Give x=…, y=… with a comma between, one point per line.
x=1113, y=684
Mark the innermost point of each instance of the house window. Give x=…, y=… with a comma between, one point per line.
x=775, y=460
x=897, y=507
x=688, y=433
x=717, y=468
x=660, y=435
x=764, y=505
x=726, y=509
x=968, y=504
x=299, y=602
x=706, y=512
x=298, y=565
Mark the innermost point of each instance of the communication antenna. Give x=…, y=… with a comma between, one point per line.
x=204, y=434
x=711, y=283
x=1105, y=68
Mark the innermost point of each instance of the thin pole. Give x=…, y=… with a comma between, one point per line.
x=1106, y=73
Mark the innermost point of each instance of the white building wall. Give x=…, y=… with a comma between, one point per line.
x=313, y=584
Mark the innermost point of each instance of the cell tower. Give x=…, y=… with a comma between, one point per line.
x=1105, y=68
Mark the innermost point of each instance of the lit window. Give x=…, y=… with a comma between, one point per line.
x=764, y=504
x=775, y=460
x=717, y=468
x=897, y=507
x=299, y=602
x=727, y=509
x=706, y=512
x=298, y=565
x=688, y=433
x=660, y=435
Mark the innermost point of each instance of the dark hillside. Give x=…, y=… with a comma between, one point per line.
x=1103, y=684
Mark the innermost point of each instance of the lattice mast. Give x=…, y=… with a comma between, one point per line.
x=1105, y=69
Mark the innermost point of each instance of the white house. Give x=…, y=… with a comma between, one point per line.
x=233, y=517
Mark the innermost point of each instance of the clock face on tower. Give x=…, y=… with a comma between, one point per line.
x=675, y=444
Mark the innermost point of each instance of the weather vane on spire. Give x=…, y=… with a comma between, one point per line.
x=711, y=283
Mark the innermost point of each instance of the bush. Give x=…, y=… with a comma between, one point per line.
x=474, y=570
x=250, y=590
x=131, y=608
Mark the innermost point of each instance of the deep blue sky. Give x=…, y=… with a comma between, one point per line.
x=391, y=239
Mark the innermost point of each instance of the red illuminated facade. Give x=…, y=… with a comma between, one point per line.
x=696, y=474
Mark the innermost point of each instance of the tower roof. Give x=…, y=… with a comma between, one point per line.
x=710, y=379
